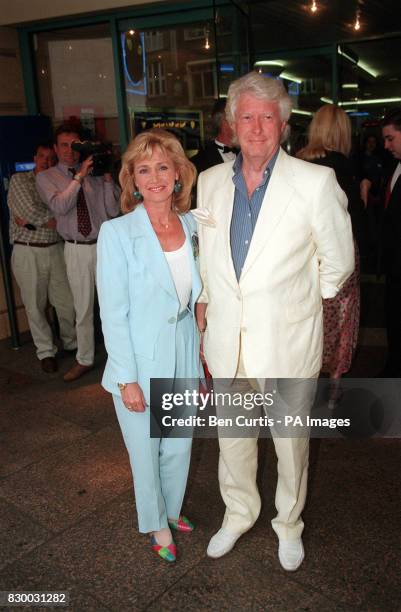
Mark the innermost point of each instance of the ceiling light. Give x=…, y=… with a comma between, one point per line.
x=348, y=54
x=289, y=77
x=355, y=60
x=269, y=63
x=367, y=68
x=372, y=101
x=297, y=111
x=313, y=6
x=207, y=43
x=350, y=85
x=362, y=102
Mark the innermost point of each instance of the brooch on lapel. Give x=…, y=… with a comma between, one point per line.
x=195, y=245
x=204, y=217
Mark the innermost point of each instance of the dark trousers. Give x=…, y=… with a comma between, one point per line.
x=393, y=324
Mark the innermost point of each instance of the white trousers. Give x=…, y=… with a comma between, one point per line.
x=80, y=260
x=238, y=469
x=41, y=277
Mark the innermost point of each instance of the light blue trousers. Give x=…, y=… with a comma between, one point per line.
x=159, y=466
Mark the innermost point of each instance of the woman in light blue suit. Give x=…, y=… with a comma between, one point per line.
x=148, y=284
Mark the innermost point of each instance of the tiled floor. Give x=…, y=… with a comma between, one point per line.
x=68, y=514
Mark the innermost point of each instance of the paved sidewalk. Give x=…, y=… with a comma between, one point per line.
x=68, y=516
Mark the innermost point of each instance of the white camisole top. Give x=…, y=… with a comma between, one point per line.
x=180, y=269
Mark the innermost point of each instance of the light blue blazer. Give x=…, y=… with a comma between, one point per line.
x=138, y=301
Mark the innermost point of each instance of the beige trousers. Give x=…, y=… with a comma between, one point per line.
x=238, y=468
x=80, y=260
x=41, y=277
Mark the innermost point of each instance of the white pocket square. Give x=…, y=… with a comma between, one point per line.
x=204, y=216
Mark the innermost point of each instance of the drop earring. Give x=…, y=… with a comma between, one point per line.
x=177, y=187
x=137, y=195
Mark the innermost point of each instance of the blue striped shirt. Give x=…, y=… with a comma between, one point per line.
x=246, y=212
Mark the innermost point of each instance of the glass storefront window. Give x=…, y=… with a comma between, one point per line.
x=231, y=24
x=370, y=77
x=75, y=75
x=308, y=80
x=174, y=73
x=369, y=88
x=170, y=79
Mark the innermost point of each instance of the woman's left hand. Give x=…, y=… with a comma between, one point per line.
x=133, y=398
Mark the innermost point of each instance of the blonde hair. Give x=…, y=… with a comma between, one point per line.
x=142, y=146
x=329, y=130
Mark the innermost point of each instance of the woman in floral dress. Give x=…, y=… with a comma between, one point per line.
x=330, y=145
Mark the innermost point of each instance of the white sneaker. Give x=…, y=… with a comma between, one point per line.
x=291, y=554
x=221, y=543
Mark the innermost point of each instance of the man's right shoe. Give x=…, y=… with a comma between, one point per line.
x=49, y=365
x=291, y=554
x=221, y=543
x=76, y=372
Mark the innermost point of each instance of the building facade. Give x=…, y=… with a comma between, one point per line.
x=120, y=70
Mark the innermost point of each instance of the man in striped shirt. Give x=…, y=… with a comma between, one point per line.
x=38, y=261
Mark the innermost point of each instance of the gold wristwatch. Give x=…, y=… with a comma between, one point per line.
x=122, y=386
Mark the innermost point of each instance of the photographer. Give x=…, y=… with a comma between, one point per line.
x=80, y=203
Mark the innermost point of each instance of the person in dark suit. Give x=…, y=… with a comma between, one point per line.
x=220, y=149
x=392, y=245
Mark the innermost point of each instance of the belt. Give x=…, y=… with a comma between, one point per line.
x=183, y=314
x=41, y=245
x=81, y=242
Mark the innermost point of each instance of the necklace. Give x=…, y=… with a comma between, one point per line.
x=158, y=223
x=165, y=225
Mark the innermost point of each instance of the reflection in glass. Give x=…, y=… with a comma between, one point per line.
x=170, y=79
x=75, y=75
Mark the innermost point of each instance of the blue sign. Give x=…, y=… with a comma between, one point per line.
x=24, y=166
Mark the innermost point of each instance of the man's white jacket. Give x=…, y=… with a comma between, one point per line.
x=301, y=251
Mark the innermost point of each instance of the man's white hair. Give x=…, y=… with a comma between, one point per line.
x=261, y=87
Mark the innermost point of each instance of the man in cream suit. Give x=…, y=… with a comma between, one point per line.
x=275, y=238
